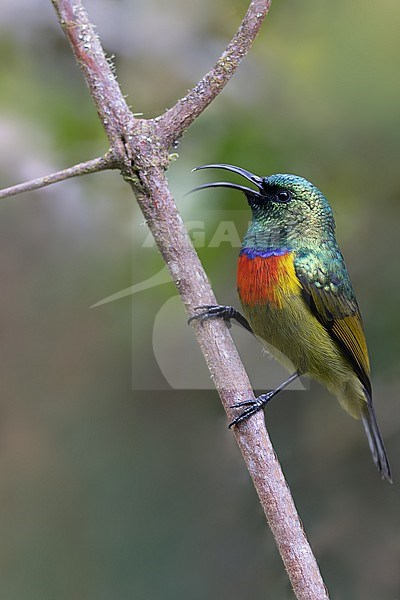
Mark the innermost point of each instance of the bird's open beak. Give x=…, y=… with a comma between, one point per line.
x=249, y=176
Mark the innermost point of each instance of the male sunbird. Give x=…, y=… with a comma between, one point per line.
x=297, y=296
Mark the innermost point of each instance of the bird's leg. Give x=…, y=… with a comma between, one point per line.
x=259, y=403
x=212, y=311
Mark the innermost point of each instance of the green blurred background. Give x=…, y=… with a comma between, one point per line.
x=113, y=484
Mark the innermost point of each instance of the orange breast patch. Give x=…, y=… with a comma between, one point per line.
x=266, y=279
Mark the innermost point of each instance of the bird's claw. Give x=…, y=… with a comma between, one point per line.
x=212, y=311
x=253, y=407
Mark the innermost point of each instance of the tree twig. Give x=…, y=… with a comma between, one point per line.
x=141, y=149
x=90, y=166
x=178, y=118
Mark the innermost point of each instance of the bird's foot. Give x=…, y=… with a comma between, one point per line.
x=253, y=406
x=220, y=311
x=212, y=311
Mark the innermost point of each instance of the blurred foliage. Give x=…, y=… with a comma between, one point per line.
x=110, y=491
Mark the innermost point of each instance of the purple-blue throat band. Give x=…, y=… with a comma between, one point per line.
x=263, y=253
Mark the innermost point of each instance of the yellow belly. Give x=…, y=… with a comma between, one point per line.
x=293, y=335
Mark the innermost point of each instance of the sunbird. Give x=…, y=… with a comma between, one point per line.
x=297, y=297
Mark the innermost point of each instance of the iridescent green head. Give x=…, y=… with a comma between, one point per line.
x=284, y=207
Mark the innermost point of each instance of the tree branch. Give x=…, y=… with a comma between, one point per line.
x=231, y=381
x=141, y=150
x=104, y=89
x=91, y=166
x=178, y=118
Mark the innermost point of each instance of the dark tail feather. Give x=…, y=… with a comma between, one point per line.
x=375, y=441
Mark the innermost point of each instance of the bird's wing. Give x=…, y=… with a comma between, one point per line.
x=328, y=292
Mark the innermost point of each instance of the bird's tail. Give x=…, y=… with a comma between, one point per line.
x=375, y=440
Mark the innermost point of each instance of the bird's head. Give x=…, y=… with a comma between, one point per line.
x=288, y=203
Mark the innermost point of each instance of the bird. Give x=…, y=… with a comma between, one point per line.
x=297, y=297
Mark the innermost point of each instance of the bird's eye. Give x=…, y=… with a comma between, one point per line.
x=283, y=196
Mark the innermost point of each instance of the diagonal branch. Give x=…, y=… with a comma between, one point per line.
x=141, y=148
x=231, y=381
x=90, y=166
x=112, y=109
x=178, y=118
